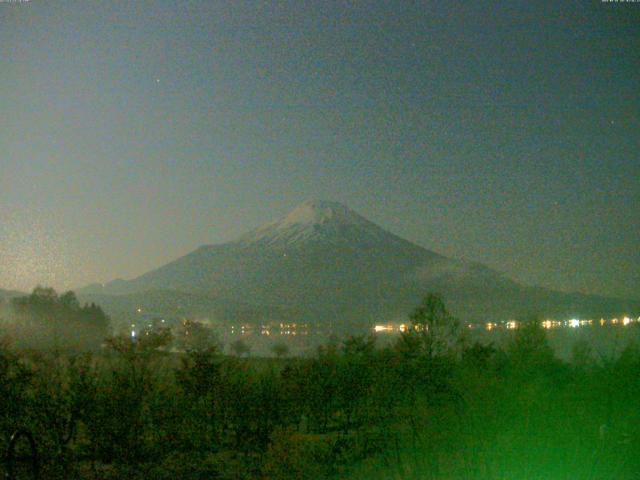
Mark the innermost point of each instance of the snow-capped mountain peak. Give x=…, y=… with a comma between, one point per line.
x=314, y=212
x=316, y=220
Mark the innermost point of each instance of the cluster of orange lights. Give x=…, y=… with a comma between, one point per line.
x=513, y=324
x=292, y=329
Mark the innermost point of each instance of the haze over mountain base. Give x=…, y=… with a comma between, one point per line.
x=325, y=265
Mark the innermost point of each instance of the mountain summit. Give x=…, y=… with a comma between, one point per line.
x=325, y=264
x=321, y=212
x=319, y=221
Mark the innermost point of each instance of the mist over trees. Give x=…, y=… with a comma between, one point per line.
x=49, y=321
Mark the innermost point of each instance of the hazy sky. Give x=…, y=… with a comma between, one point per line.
x=508, y=133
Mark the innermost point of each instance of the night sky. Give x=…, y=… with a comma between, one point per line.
x=508, y=133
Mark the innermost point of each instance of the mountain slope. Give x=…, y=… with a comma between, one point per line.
x=332, y=266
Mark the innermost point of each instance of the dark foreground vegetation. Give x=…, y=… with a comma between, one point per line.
x=430, y=406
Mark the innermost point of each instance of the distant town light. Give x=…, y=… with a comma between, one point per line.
x=382, y=328
x=573, y=323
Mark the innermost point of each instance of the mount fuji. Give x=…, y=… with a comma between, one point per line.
x=325, y=264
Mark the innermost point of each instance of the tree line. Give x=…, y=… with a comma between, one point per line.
x=430, y=405
x=48, y=321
